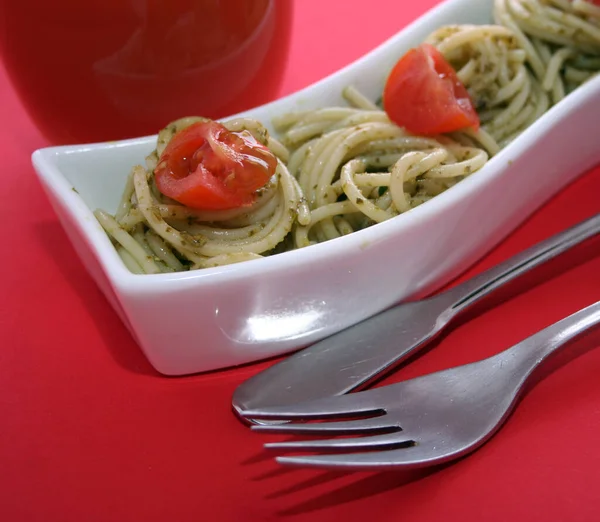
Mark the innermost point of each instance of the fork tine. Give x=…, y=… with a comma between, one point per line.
x=375, y=441
x=408, y=457
x=350, y=426
x=355, y=403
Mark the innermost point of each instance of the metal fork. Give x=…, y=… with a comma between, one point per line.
x=424, y=421
x=355, y=357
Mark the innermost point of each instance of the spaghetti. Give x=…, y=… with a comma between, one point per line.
x=561, y=39
x=342, y=169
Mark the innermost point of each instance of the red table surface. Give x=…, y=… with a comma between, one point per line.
x=89, y=432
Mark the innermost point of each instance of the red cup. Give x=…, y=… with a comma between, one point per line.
x=98, y=70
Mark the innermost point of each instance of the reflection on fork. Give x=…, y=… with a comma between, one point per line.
x=424, y=421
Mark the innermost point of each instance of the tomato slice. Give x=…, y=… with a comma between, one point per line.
x=207, y=167
x=424, y=95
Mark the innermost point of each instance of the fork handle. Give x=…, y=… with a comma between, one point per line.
x=525, y=357
x=356, y=356
x=471, y=291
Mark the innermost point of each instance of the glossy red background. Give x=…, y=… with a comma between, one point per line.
x=90, y=433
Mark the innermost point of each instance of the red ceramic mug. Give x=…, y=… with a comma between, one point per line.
x=97, y=70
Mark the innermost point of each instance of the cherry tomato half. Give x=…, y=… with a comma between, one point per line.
x=424, y=95
x=207, y=167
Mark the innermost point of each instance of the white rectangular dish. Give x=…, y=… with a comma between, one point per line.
x=213, y=318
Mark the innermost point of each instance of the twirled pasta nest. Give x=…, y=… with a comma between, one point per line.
x=342, y=169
